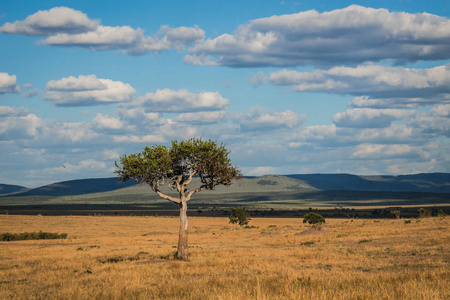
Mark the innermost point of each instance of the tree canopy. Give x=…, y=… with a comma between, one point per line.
x=176, y=166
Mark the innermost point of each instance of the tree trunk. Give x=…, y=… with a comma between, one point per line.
x=183, y=237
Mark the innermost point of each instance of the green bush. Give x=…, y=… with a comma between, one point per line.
x=424, y=213
x=239, y=215
x=395, y=213
x=313, y=218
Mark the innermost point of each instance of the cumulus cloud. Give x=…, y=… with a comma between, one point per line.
x=129, y=40
x=259, y=119
x=8, y=83
x=87, y=90
x=30, y=93
x=102, y=122
x=53, y=21
x=327, y=136
x=373, y=85
x=149, y=139
x=368, y=117
x=103, y=38
x=167, y=100
x=351, y=35
x=389, y=151
x=64, y=26
x=202, y=118
x=435, y=122
x=18, y=123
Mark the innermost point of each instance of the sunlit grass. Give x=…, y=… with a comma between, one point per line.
x=132, y=258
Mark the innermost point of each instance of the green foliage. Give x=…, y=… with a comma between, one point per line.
x=31, y=236
x=424, y=213
x=239, y=215
x=313, y=218
x=395, y=213
x=178, y=164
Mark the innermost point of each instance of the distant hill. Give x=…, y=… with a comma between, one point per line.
x=9, y=189
x=76, y=187
x=424, y=182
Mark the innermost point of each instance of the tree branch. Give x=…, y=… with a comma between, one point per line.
x=189, y=195
x=164, y=196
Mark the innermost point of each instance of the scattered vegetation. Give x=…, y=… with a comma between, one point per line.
x=395, y=213
x=399, y=262
x=313, y=218
x=31, y=236
x=424, y=213
x=427, y=213
x=239, y=215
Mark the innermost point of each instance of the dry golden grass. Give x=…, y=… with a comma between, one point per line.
x=131, y=258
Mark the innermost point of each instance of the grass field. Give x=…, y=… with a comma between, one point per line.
x=132, y=258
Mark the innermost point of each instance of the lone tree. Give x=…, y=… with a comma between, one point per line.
x=313, y=218
x=239, y=215
x=177, y=166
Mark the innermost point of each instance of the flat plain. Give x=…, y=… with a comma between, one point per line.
x=117, y=257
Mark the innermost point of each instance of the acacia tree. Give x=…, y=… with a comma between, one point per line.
x=176, y=167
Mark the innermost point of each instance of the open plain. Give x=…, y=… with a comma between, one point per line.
x=117, y=257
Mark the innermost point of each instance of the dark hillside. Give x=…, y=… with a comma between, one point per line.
x=9, y=188
x=77, y=187
x=429, y=183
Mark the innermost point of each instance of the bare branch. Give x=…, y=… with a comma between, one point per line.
x=164, y=196
x=191, y=175
x=189, y=195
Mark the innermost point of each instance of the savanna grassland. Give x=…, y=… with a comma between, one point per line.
x=132, y=258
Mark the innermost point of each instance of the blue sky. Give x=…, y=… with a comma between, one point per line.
x=356, y=87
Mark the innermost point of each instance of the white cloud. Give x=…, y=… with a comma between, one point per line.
x=369, y=118
x=17, y=123
x=259, y=119
x=70, y=133
x=8, y=83
x=146, y=139
x=49, y=22
x=102, y=122
x=71, y=28
x=336, y=137
x=389, y=151
x=30, y=93
x=351, y=35
x=167, y=100
x=202, y=118
x=374, y=85
x=87, y=90
x=7, y=111
x=103, y=38
x=435, y=122
x=258, y=79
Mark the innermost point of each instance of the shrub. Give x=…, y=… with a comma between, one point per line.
x=395, y=213
x=239, y=215
x=313, y=218
x=424, y=213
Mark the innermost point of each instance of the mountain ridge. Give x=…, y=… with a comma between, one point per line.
x=422, y=182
